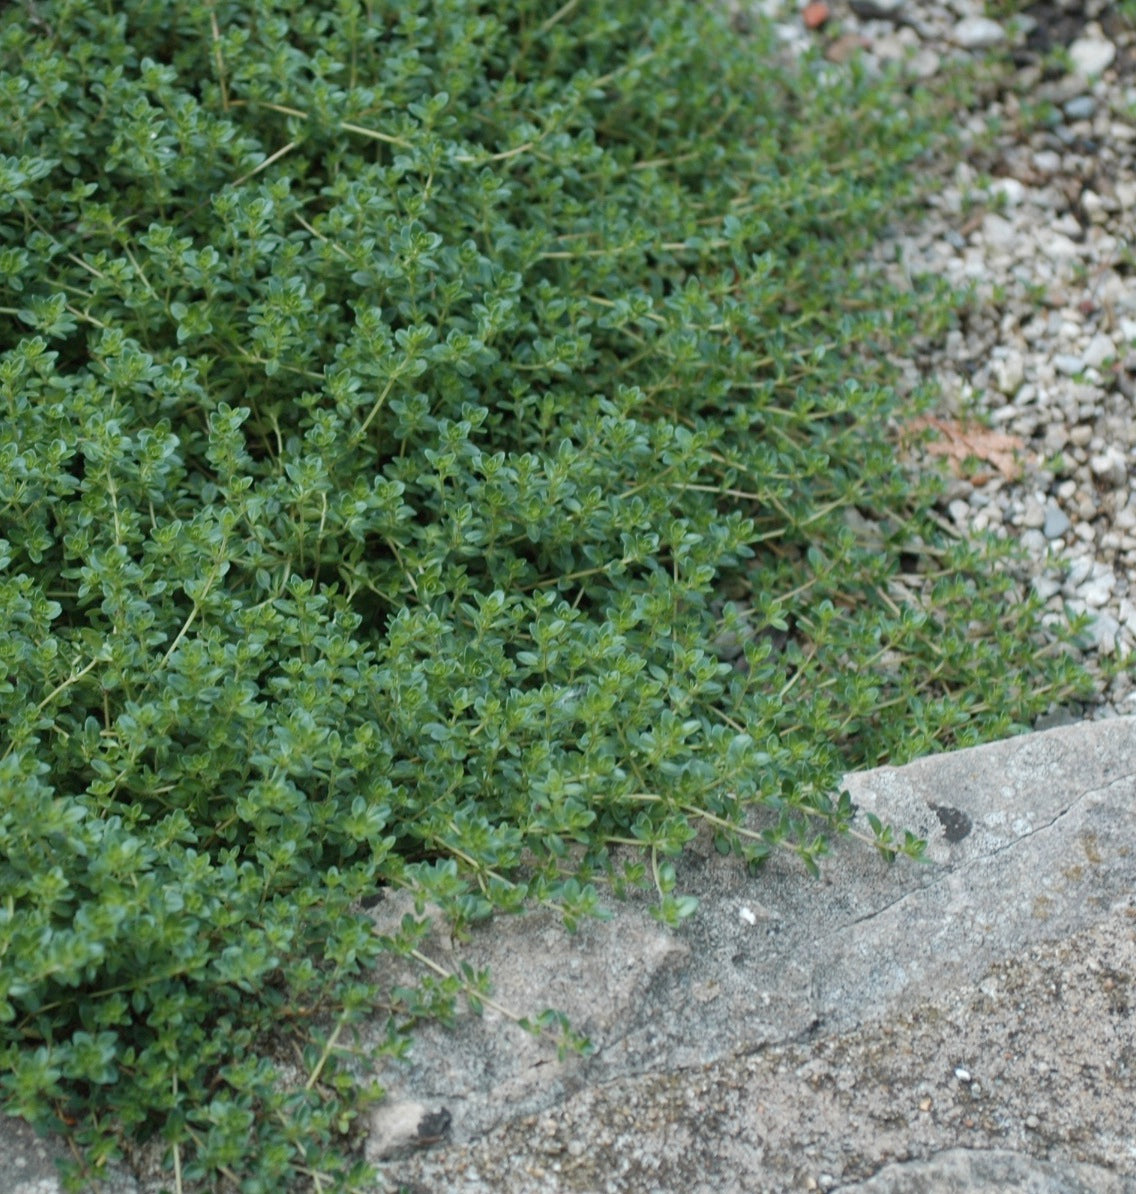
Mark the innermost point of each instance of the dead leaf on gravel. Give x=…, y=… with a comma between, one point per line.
x=960, y=443
x=845, y=46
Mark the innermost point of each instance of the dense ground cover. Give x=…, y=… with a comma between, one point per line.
x=402, y=404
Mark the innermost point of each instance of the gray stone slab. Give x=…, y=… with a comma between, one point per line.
x=962, y=1171
x=801, y=1034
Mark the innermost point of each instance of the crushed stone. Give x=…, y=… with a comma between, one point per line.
x=1036, y=221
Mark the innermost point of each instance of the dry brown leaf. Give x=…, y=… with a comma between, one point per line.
x=960, y=443
x=845, y=46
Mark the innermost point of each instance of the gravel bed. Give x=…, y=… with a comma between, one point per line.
x=1037, y=222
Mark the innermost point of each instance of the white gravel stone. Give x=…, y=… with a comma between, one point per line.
x=1099, y=349
x=998, y=232
x=1010, y=372
x=1103, y=632
x=1098, y=590
x=925, y=64
x=1078, y=573
x=1069, y=364
x=1058, y=247
x=1110, y=467
x=1033, y=514
x=1091, y=55
x=1046, y=587
x=978, y=33
x=1010, y=190
x=1128, y=615
x=1048, y=161
x=1125, y=193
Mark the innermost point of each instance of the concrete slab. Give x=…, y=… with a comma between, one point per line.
x=963, y=1024
x=805, y=1035
x=960, y=1171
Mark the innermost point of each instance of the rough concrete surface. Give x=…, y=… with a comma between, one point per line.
x=965, y=1024
x=802, y=1035
x=998, y=1171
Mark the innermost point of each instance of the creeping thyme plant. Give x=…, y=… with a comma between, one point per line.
x=403, y=403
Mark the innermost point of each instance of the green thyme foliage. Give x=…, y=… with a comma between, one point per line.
x=393, y=395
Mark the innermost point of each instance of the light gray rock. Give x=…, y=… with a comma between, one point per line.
x=1103, y=632
x=398, y=1127
x=1110, y=467
x=978, y=1001
x=1091, y=55
x=1010, y=189
x=1046, y=587
x=1010, y=371
x=1056, y=521
x=978, y=33
x=998, y=232
x=1080, y=569
x=1069, y=364
x=990, y=1172
x=1080, y=107
x=1058, y=247
x=1033, y=515
x=1098, y=588
x=1101, y=348
x=925, y=63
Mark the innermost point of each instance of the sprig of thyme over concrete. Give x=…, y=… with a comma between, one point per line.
x=402, y=403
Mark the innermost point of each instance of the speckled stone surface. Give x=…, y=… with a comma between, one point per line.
x=799, y=1035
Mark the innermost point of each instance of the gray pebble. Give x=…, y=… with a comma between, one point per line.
x=1081, y=108
x=877, y=9
x=1056, y=522
x=1091, y=55
x=1103, y=631
x=1067, y=363
x=978, y=33
x=1110, y=467
x=1033, y=515
x=1097, y=593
